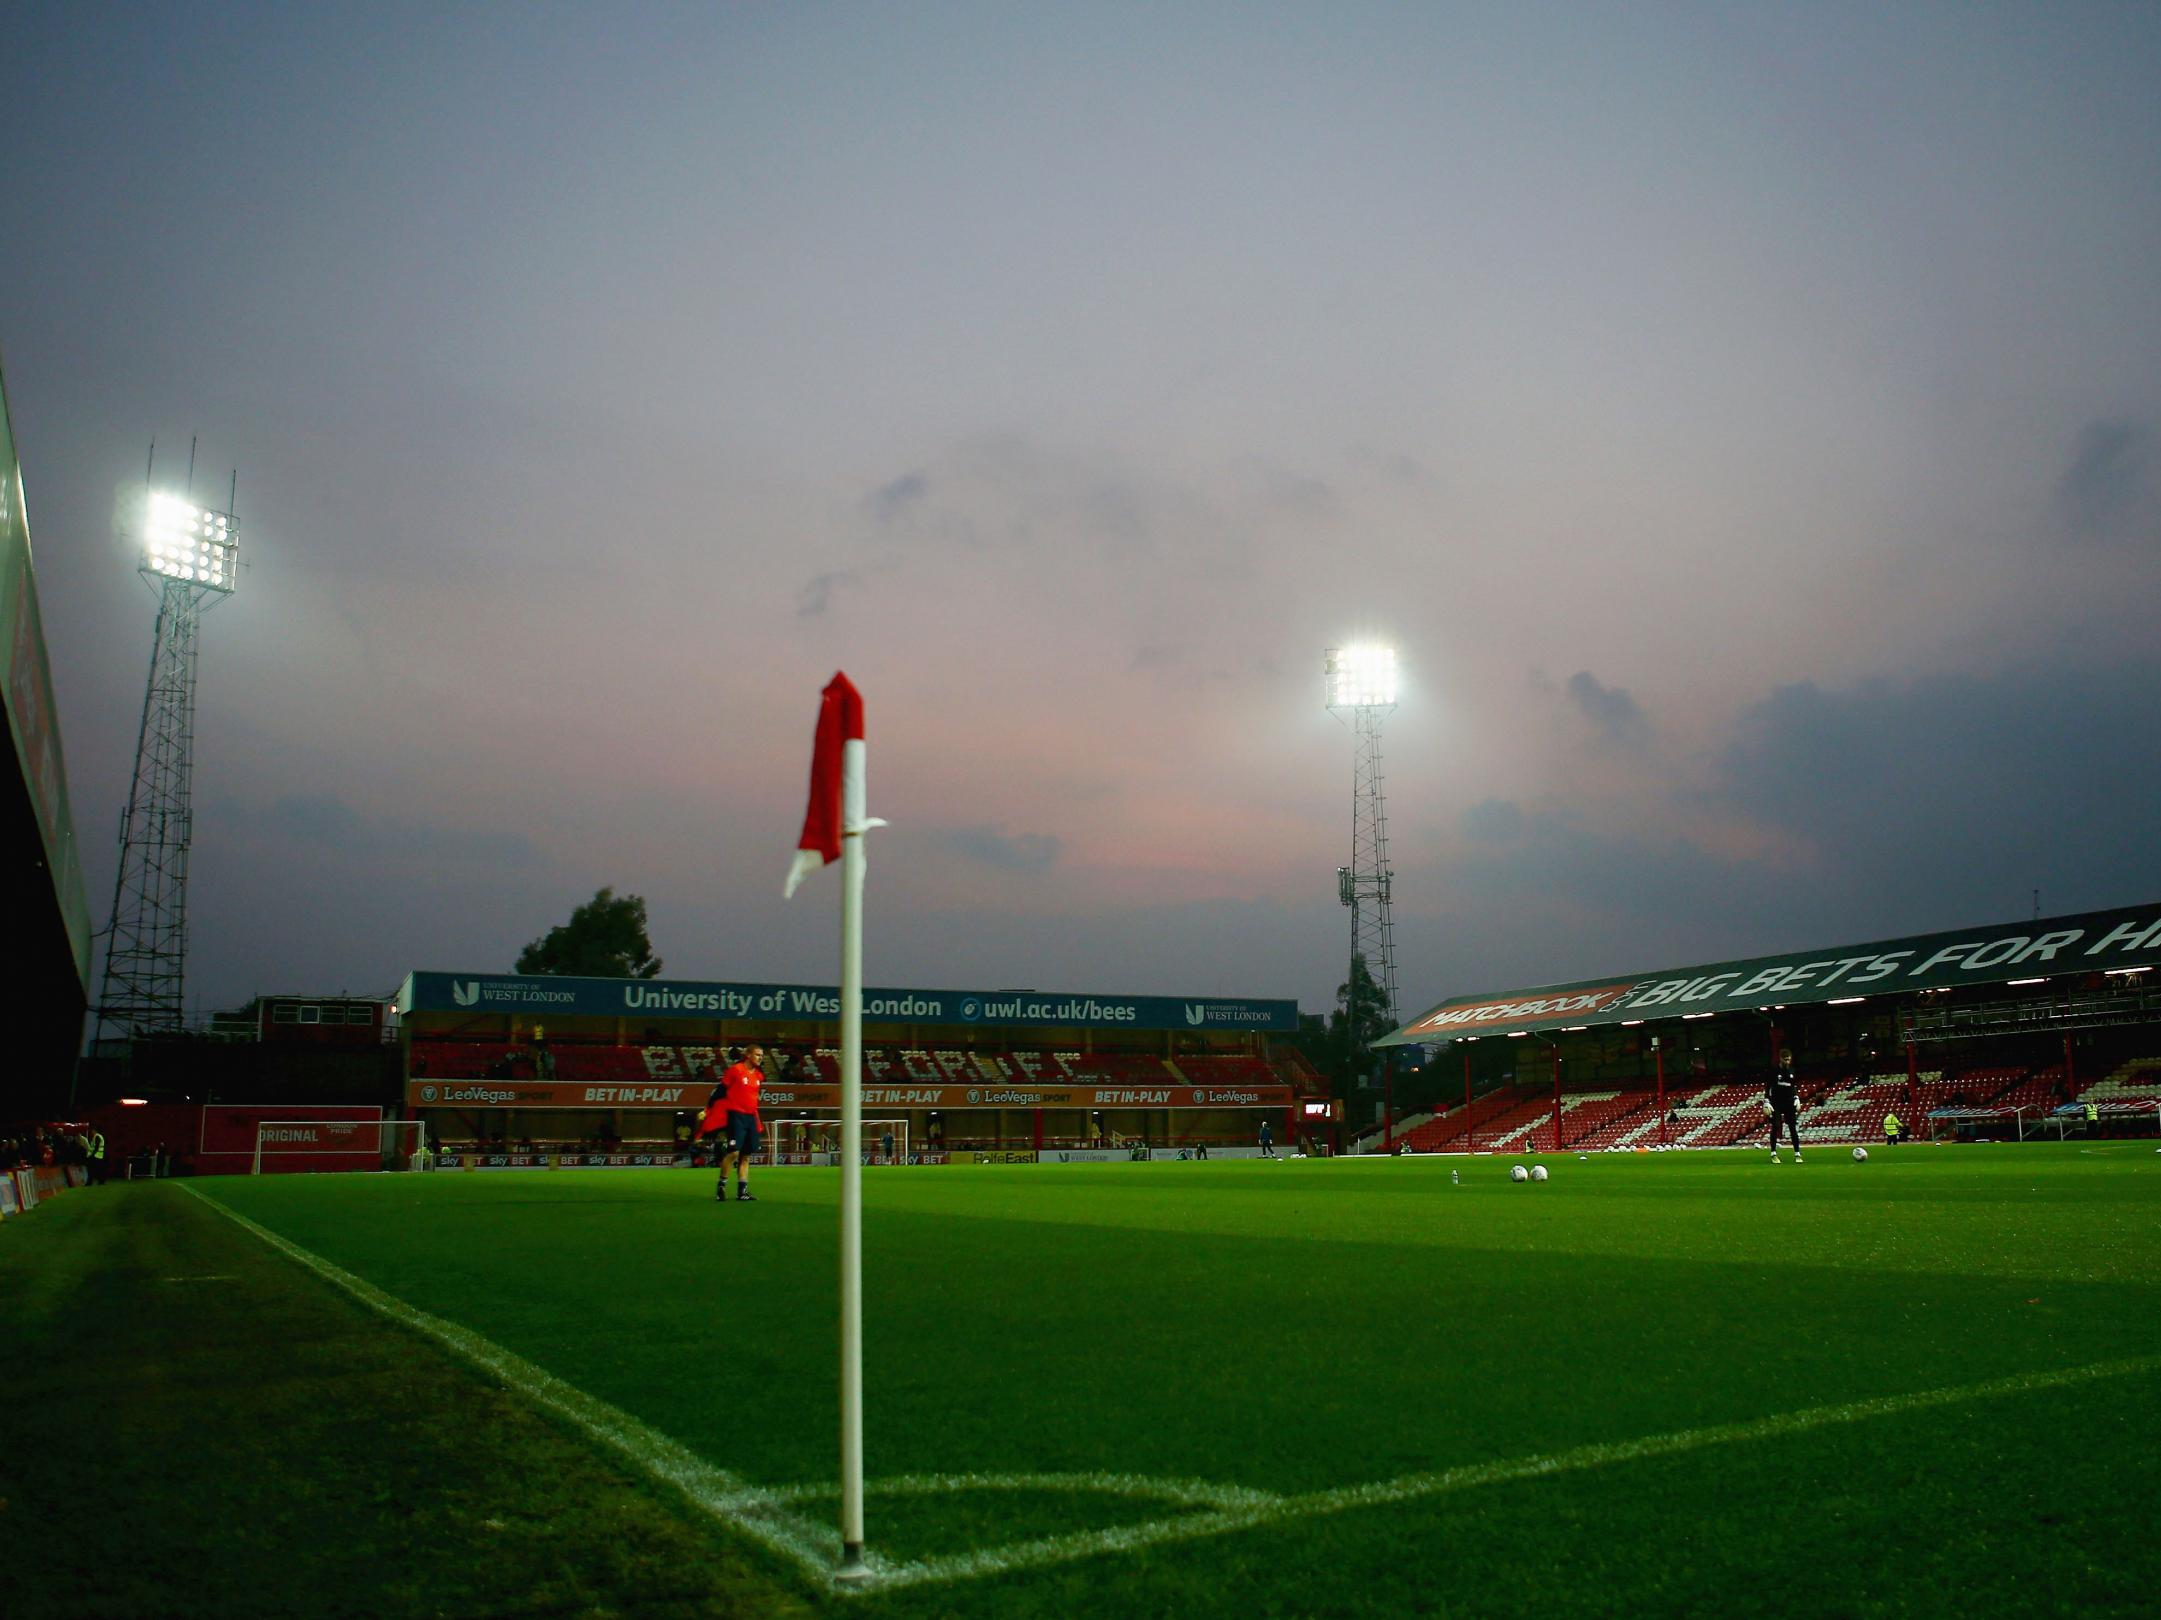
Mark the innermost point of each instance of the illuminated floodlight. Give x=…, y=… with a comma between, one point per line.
x=187, y=542
x=1362, y=676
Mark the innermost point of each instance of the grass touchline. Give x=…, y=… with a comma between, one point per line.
x=765, y=1513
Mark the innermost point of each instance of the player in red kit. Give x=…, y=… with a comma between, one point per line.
x=734, y=1109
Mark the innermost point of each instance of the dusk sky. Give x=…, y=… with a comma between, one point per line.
x=1743, y=420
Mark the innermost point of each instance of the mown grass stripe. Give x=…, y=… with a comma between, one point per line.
x=1412, y=1487
x=763, y=1513
x=757, y=1513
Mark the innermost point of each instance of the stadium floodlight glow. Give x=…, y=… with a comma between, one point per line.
x=1362, y=676
x=1844, y=1001
x=1359, y=688
x=188, y=555
x=187, y=542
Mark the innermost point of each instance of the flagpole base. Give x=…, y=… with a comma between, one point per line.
x=852, y=1568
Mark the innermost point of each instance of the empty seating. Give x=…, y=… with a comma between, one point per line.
x=2138, y=1081
x=1450, y=1129
x=1226, y=1071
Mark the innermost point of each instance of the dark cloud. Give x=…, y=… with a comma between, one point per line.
x=1889, y=807
x=1283, y=490
x=1943, y=800
x=1493, y=821
x=2105, y=490
x=1009, y=852
x=1558, y=855
x=892, y=502
x=1176, y=666
x=1004, y=490
x=329, y=824
x=315, y=819
x=1544, y=895
x=816, y=594
x=1613, y=714
x=1170, y=948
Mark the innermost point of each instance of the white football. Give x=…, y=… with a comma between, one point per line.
x=1860, y=1155
x=1538, y=1172
x=1516, y=1172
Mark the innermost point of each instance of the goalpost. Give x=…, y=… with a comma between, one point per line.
x=813, y=1137
x=365, y=1144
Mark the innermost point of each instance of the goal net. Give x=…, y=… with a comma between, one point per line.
x=283, y=1146
x=817, y=1141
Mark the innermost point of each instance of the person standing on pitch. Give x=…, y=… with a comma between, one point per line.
x=1268, y=1140
x=1782, y=1100
x=739, y=1089
x=1890, y=1130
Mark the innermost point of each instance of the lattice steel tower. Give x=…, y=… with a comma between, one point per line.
x=189, y=556
x=1362, y=693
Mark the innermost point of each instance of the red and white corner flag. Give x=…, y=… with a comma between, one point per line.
x=833, y=829
x=836, y=782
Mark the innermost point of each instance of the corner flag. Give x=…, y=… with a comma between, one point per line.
x=836, y=777
x=833, y=829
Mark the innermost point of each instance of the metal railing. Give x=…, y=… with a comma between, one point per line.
x=2093, y=1011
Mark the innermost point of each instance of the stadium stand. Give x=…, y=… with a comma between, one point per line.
x=1710, y=1111
x=1729, y=1112
x=2136, y=1081
x=1445, y=1132
x=1854, y=1111
x=1119, y=1069
x=461, y=1060
x=1717, y=1115
x=450, y=1058
x=1632, y=1116
x=1509, y=1132
x=1224, y=1071
x=2037, y=1088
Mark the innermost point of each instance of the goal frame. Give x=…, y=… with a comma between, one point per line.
x=417, y=1158
x=873, y=1129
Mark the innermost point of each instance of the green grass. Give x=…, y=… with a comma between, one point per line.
x=1291, y=1328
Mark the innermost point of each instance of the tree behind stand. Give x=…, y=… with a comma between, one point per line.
x=604, y=939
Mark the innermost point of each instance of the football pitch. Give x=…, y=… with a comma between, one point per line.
x=1659, y=1384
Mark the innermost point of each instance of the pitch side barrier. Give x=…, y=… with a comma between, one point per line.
x=23, y=1190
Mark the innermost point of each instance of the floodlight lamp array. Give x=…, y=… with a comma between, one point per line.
x=1361, y=677
x=190, y=543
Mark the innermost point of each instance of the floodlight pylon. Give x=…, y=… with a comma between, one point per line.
x=1361, y=691
x=189, y=556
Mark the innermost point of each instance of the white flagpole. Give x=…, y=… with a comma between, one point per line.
x=853, y=826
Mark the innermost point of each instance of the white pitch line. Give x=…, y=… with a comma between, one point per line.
x=762, y=1513
x=1411, y=1487
x=722, y=1494
x=1185, y=1492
